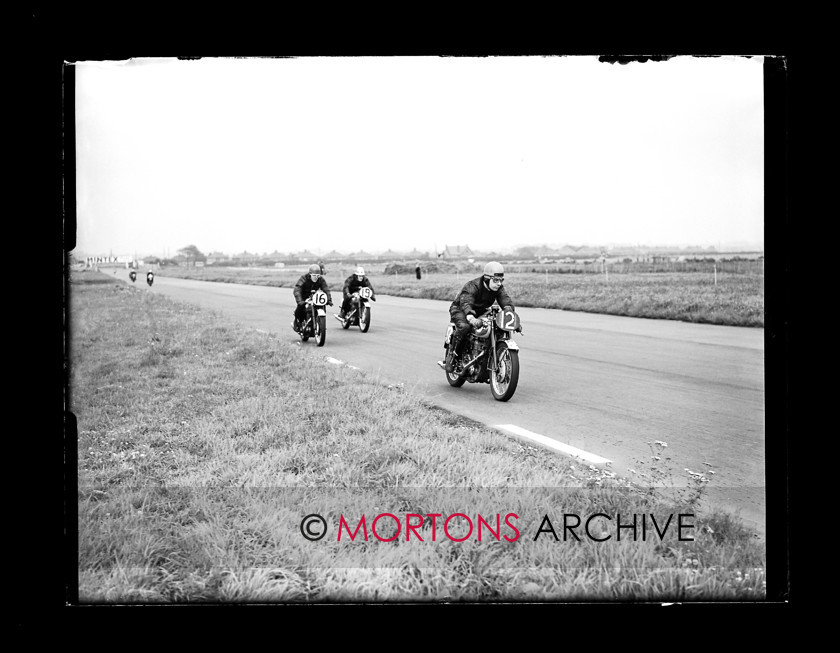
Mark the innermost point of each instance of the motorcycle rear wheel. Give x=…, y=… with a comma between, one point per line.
x=453, y=378
x=504, y=380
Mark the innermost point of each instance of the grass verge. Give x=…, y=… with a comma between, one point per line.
x=203, y=446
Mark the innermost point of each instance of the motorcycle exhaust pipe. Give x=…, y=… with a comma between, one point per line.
x=468, y=366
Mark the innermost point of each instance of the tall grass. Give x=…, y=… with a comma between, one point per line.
x=730, y=299
x=203, y=445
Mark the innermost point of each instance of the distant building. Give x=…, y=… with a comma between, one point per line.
x=214, y=258
x=456, y=251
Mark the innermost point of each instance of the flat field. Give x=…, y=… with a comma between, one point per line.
x=712, y=297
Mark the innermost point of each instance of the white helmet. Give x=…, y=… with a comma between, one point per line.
x=494, y=270
x=360, y=271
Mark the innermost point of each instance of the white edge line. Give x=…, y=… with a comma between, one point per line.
x=335, y=361
x=554, y=444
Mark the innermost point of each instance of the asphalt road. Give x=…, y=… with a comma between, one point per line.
x=603, y=385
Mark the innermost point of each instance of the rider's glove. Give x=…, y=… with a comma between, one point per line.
x=472, y=320
x=373, y=298
x=329, y=303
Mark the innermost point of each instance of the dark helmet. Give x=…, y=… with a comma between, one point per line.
x=315, y=269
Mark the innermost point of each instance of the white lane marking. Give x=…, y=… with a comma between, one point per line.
x=335, y=361
x=553, y=444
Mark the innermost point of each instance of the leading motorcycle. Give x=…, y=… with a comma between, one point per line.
x=315, y=324
x=150, y=278
x=359, y=313
x=490, y=354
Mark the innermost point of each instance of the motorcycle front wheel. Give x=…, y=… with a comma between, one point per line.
x=320, y=330
x=364, y=319
x=504, y=380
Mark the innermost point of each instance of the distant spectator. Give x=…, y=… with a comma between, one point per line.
x=417, y=271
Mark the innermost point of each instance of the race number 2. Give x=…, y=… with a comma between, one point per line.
x=509, y=320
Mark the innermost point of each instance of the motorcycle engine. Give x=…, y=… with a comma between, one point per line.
x=478, y=372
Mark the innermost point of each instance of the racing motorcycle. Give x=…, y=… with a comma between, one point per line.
x=490, y=355
x=150, y=278
x=133, y=276
x=315, y=324
x=359, y=313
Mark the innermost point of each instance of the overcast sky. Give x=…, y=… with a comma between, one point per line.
x=373, y=153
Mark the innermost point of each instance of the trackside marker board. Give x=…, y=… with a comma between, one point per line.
x=553, y=444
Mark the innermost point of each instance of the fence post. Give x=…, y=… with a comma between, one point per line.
x=715, y=266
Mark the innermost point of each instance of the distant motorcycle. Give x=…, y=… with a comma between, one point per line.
x=315, y=324
x=133, y=276
x=490, y=355
x=359, y=314
x=150, y=278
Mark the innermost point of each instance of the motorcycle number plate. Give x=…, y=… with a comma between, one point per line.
x=319, y=298
x=365, y=293
x=507, y=320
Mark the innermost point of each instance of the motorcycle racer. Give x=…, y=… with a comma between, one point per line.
x=351, y=285
x=309, y=281
x=472, y=301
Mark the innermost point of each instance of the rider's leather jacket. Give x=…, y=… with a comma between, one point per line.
x=475, y=298
x=352, y=284
x=305, y=285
